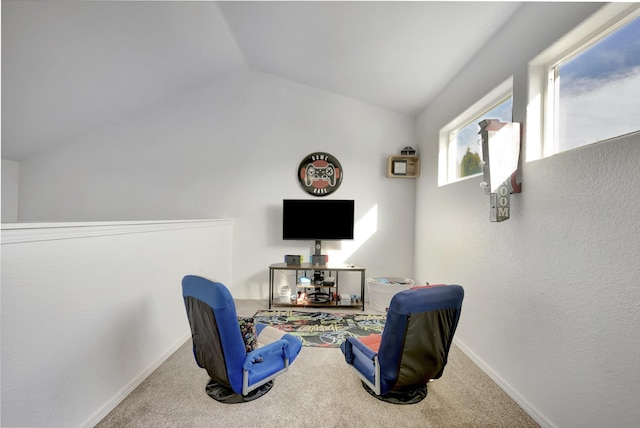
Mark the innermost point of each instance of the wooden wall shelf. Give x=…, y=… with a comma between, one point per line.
x=402, y=166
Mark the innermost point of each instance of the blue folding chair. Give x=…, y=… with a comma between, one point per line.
x=413, y=347
x=238, y=372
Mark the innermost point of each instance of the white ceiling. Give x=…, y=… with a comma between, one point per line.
x=69, y=67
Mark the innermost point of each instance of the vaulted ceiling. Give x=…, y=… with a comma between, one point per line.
x=69, y=67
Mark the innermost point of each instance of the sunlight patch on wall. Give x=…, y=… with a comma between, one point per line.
x=363, y=230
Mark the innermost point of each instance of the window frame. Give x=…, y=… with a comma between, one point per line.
x=542, y=108
x=447, y=159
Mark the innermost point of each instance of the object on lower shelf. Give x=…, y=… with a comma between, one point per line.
x=319, y=296
x=285, y=294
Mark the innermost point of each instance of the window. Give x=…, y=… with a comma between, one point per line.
x=586, y=88
x=460, y=148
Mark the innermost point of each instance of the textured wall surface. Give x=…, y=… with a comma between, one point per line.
x=552, y=296
x=551, y=304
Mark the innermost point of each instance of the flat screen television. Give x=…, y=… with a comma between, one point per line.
x=317, y=219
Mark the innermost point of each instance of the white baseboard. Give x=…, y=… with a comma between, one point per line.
x=117, y=399
x=526, y=406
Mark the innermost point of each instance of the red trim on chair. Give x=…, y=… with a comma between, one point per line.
x=372, y=341
x=427, y=286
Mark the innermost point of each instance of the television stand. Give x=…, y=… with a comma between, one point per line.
x=322, y=295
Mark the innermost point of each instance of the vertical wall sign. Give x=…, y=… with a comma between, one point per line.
x=501, y=156
x=320, y=174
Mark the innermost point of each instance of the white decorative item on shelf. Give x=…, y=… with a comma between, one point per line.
x=345, y=298
x=285, y=294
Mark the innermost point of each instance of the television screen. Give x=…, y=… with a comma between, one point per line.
x=317, y=219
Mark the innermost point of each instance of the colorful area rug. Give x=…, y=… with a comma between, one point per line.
x=322, y=329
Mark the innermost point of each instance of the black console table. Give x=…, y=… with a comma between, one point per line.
x=318, y=288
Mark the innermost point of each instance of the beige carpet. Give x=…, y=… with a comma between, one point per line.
x=319, y=390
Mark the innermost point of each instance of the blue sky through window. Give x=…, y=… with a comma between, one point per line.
x=599, y=90
x=607, y=58
x=468, y=136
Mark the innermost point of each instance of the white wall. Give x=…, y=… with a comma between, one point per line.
x=551, y=305
x=232, y=149
x=10, y=173
x=90, y=310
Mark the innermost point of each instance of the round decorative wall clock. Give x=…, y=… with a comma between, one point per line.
x=320, y=174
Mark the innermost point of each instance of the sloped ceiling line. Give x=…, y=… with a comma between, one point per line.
x=70, y=67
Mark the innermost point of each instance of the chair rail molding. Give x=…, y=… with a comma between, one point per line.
x=96, y=304
x=13, y=233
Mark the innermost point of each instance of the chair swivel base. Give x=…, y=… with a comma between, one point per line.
x=412, y=395
x=319, y=297
x=225, y=394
